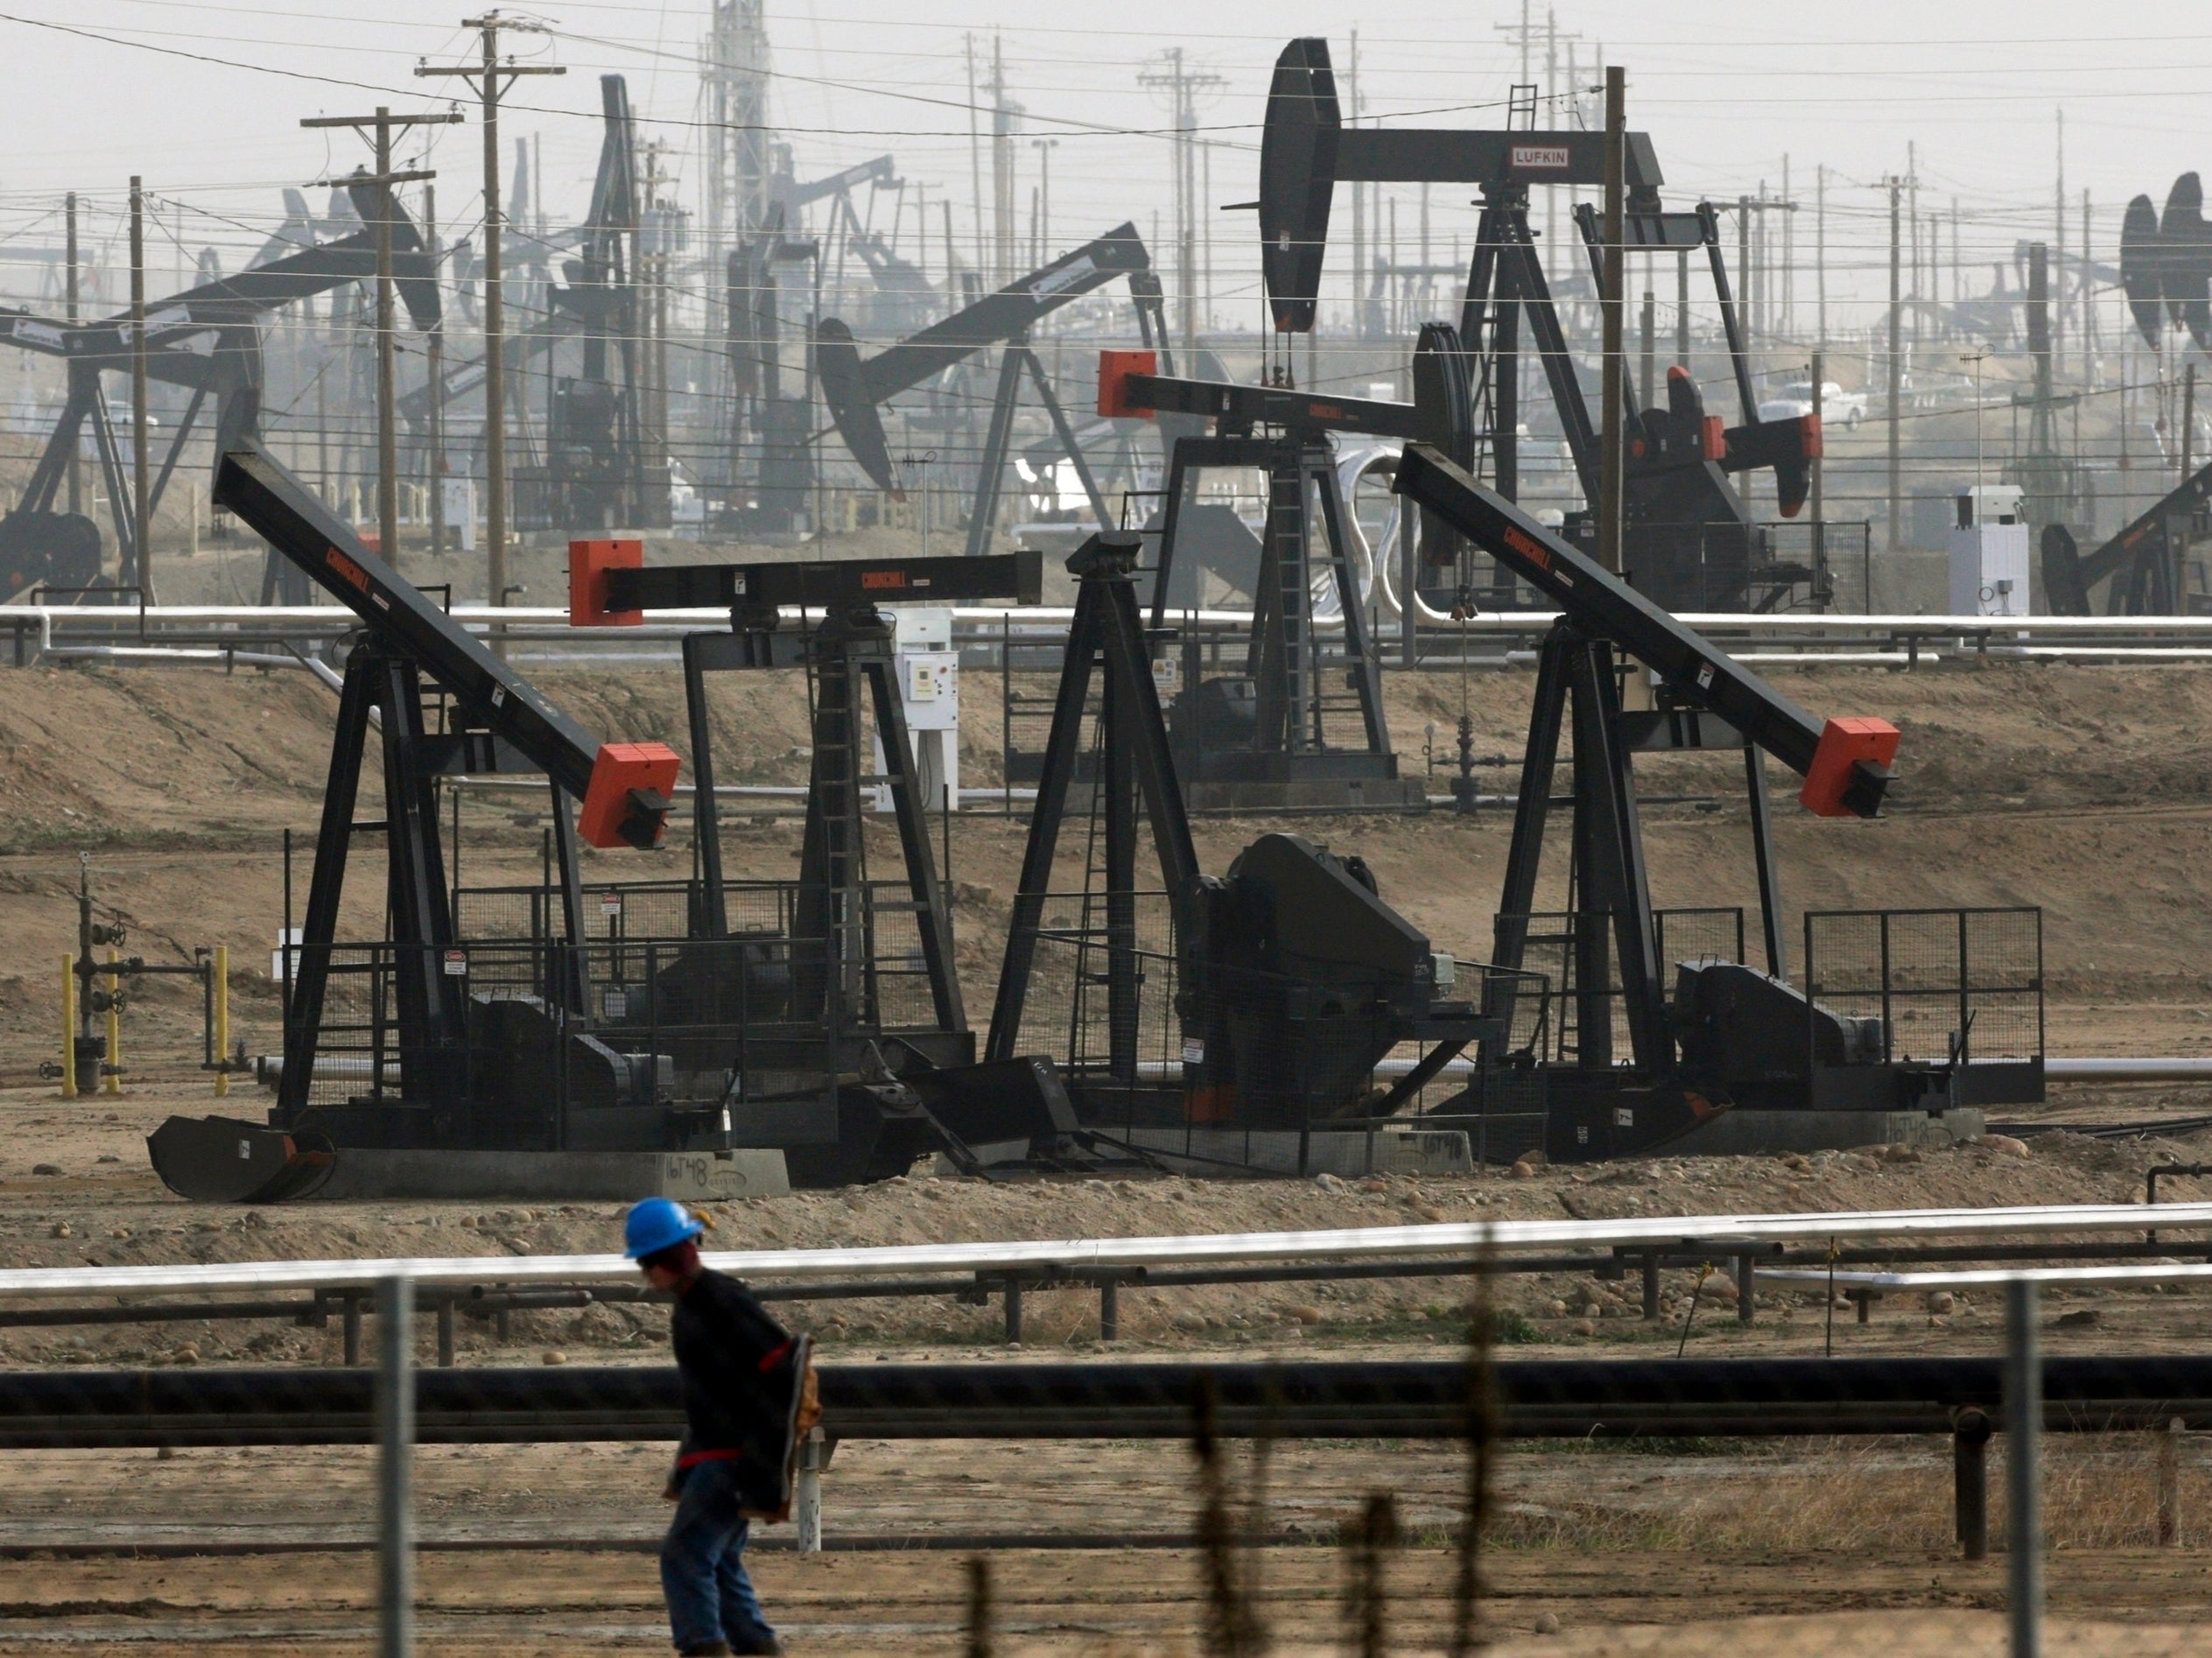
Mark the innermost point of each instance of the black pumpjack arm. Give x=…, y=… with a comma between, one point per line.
x=625, y=786
x=1844, y=762
x=2070, y=575
x=856, y=390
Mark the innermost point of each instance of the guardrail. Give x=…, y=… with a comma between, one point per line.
x=1470, y=1241
x=1752, y=1267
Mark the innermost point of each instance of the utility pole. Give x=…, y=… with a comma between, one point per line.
x=1044, y=147
x=69, y=301
x=657, y=218
x=1183, y=85
x=2057, y=270
x=2189, y=418
x=1912, y=223
x=1820, y=252
x=1647, y=369
x=1896, y=187
x=490, y=77
x=1785, y=311
x=1005, y=233
x=975, y=160
x=436, y=354
x=2092, y=342
x=1610, y=474
x=1359, y=212
x=378, y=130
x=1681, y=311
x=141, y=510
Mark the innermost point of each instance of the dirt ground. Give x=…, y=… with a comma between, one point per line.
x=1114, y=1604
x=2083, y=790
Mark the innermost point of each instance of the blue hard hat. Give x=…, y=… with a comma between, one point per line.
x=655, y=1223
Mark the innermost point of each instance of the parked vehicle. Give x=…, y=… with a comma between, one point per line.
x=1838, y=407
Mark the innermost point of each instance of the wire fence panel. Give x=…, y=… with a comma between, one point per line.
x=1502, y=1480
x=1581, y=1013
x=1944, y=984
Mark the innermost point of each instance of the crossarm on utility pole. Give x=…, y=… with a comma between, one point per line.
x=1844, y=762
x=625, y=786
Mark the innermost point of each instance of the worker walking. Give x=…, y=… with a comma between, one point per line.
x=748, y=1401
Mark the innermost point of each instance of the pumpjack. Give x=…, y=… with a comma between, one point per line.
x=857, y=389
x=864, y=1060
x=450, y=1063
x=598, y=473
x=2166, y=264
x=2146, y=563
x=819, y=1021
x=206, y=339
x=1692, y=541
x=1246, y=1039
x=595, y=470
x=1618, y=675
x=1291, y=729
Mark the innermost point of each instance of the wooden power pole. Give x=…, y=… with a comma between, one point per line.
x=490, y=77
x=379, y=129
x=1610, y=474
x=1896, y=187
x=141, y=511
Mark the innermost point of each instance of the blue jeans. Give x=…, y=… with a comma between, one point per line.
x=710, y=1599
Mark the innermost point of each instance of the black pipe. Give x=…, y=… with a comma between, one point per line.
x=1346, y=1399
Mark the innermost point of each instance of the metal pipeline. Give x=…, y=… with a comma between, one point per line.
x=2162, y=1068
x=1350, y=1399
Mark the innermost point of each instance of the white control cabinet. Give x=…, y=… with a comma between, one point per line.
x=1988, y=554
x=929, y=680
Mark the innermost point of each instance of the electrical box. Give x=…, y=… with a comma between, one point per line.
x=929, y=680
x=1989, y=554
x=460, y=507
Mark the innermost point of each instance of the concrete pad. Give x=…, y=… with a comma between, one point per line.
x=697, y=1177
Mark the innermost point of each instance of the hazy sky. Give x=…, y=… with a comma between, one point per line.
x=1727, y=91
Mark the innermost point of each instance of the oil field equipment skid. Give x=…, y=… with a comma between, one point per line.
x=1722, y=1033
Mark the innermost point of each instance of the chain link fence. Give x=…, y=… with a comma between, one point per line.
x=1679, y=1499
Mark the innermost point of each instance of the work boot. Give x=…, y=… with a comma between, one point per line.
x=763, y=1643
x=705, y=1650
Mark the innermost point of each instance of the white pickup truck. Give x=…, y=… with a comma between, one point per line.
x=1838, y=407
